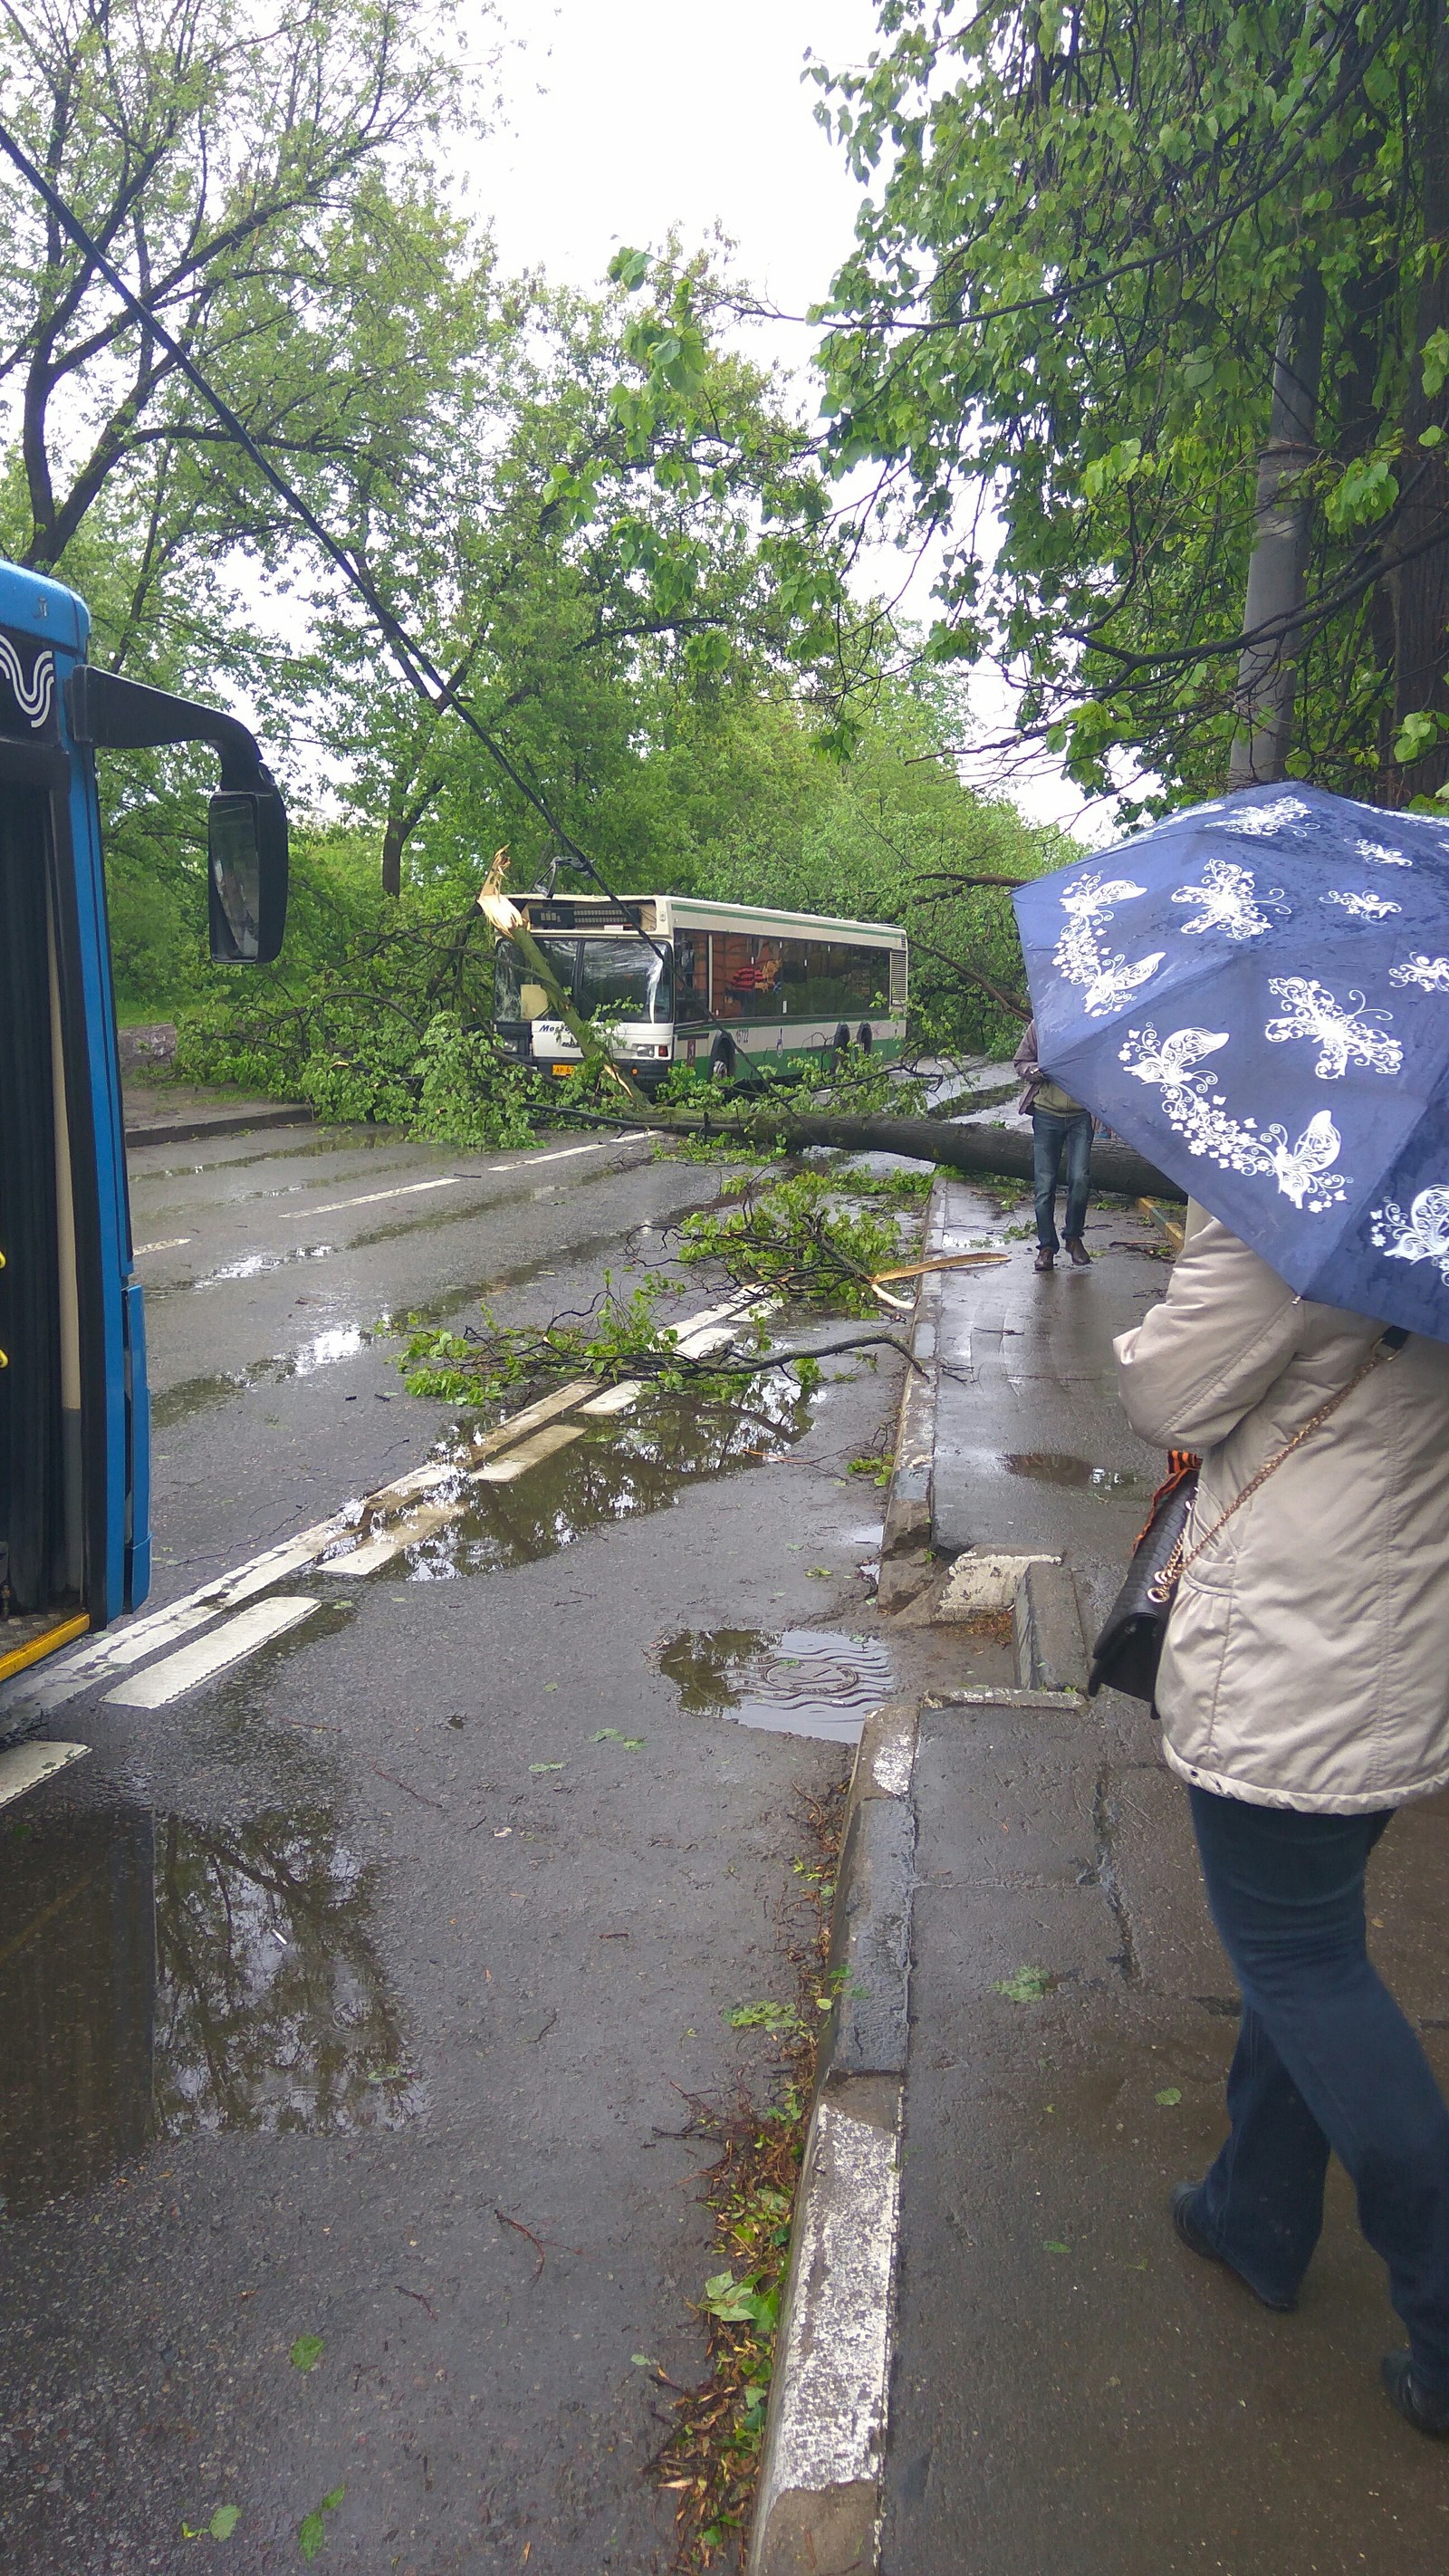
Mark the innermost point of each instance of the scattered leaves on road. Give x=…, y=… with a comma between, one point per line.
x=307, y=2350
x=221, y=2526
x=312, y=2529
x=1025, y=1985
x=1169, y=2098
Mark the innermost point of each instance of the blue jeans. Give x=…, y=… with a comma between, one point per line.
x=1325, y=2060
x=1049, y=1134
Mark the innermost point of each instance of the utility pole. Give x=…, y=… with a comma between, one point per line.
x=1278, y=568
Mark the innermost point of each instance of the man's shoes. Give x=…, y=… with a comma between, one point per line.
x=1081, y=1257
x=1184, y=2194
x=1417, y=2405
x=1045, y=1257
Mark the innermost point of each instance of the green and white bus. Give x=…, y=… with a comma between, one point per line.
x=720, y=986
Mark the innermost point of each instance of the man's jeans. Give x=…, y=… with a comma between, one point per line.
x=1325, y=2060
x=1049, y=1134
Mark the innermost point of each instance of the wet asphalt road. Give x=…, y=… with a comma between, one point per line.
x=358, y=1994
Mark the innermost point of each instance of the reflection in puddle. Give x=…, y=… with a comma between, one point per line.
x=159, y=1976
x=198, y=1394
x=810, y=1681
x=253, y=1264
x=636, y=1463
x=1057, y=1467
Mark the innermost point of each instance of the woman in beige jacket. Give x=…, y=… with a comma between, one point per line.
x=1304, y=1695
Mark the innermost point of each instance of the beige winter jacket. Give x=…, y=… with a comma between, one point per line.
x=1307, y=1656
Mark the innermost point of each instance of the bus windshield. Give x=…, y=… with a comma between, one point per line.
x=623, y=976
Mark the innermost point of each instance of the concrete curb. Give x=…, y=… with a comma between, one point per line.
x=817, y=2512
x=190, y=1131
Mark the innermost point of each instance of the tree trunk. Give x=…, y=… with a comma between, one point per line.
x=1278, y=569
x=1418, y=586
x=981, y=1153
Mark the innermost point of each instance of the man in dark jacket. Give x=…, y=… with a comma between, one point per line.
x=1059, y=1125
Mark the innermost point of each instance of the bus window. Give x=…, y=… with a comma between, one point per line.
x=747, y=976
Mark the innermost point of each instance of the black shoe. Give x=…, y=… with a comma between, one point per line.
x=1184, y=2194
x=1045, y=1257
x=1081, y=1257
x=1427, y=2414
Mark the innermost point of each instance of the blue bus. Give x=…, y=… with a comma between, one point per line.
x=74, y=1428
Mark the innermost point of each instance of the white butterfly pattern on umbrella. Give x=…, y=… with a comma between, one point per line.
x=1431, y=974
x=1303, y=1171
x=1230, y=901
x=1344, y=1037
x=1088, y=904
x=1422, y=1235
x=1260, y=822
x=1379, y=856
x=1362, y=907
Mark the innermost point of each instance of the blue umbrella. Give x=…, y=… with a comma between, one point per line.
x=1255, y=993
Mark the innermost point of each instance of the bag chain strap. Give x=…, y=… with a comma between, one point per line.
x=1178, y=1563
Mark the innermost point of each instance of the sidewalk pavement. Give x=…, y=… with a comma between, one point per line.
x=1061, y=2387
x=177, y=1113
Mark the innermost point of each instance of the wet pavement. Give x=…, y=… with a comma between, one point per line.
x=357, y=1997
x=1073, y=2391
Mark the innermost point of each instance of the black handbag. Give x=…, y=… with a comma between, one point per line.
x=1129, y=1649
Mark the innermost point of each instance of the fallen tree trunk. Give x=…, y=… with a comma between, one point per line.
x=980, y=1153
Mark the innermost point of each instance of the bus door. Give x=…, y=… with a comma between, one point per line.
x=42, y=1531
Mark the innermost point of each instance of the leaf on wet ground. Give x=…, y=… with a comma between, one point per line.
x=221, y=2526
x=1025, y=1985
x=1169, y=2098
x=545, y=1766
x=611, y=1735
x=307, y=2350
x=822, y=1570
x=1053, y=2245
x=312, y=2529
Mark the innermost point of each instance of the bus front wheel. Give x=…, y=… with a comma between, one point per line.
x=841, y=1040
x=865, y=1036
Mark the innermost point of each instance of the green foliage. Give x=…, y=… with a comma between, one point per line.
x=622, y=1338
x=1082, y=232
x=766, y=2016
x=795, y=1237
x=306, y=2352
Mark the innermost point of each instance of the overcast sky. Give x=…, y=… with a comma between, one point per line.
x=624, y=117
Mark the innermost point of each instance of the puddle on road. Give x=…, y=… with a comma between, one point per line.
x=805, y=1681
x=1058, y=1467
x=636, y=1463
x=159, y=1976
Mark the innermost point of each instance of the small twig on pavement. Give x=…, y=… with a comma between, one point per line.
x=422, y=1800
x=405, y=2293
x=505, y=2221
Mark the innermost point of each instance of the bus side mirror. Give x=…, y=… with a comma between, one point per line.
x=246, y=842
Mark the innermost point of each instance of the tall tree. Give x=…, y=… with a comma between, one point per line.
x=1087, y=228
x=262, y=180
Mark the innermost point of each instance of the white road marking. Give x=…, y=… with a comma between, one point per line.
x=373, y=1553
x=26, y=1765
x=450, y=1181
x=616, y=1399
x=516, y=1462
x=211, y=1655
x=173, y=1243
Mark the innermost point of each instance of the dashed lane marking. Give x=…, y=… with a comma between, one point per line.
x=449, y=1181
x=208, y=1656
x=26, y=1765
